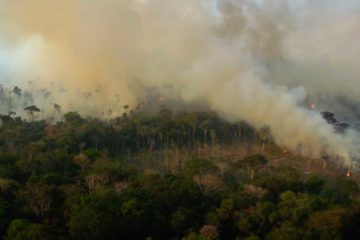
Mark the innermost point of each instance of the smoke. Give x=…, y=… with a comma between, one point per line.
x=258, y=61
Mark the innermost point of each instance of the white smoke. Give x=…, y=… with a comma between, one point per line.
x=257, y=61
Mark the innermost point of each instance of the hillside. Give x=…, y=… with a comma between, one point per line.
x=166, y=176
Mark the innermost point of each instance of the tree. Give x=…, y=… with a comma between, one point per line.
x=208, y=183
x=213, y=140
x=340, y=190
x=4, y=205
x=38, y=232
x=11, y=113
x=329, y=117
x=17, y=230
x=87, y=222
x=73, y=119
x=31, y=110
x=265, y=136
x=205, y=125
x=341, y=127
x=17, y=91
x=199, y=166
x=179, y=220
x=251, y=163
x=209, y=232
x=82, y=160
x=37, y=198
x=315, y=184
x=286, y=230
x=328, y=224
x=57, y=107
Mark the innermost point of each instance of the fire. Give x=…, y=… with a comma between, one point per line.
x=348, y=173
x=312, y=106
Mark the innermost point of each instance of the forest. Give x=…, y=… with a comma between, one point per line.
x=170, y=175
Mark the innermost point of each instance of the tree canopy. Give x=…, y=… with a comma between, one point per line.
x=165, y=176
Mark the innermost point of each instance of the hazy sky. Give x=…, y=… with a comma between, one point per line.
x=340, y=4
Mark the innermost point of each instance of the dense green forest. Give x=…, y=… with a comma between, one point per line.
x=165, y=176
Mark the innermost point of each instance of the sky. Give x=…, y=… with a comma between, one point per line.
x=340, y=4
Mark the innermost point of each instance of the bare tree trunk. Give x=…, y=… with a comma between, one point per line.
x=324, y=163
x=213, y=139
x=205, y=135
x=151, y=145
x=252, y=174
x=9, y=101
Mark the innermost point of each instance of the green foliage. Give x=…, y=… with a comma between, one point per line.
x=17, y=230
x=161, y=176
x=73, y=118
x=334, y=223
x=315, y=184
x=4, y=205
x=199, y=166
x=253, y=161
x=286, y=230
x=21, y=229
x=340, y=190
x=87, y=222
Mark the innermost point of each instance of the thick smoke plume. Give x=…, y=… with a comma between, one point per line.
x=258, y=61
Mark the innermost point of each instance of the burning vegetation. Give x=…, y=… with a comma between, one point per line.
x=181, y=119
x=242, y=60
